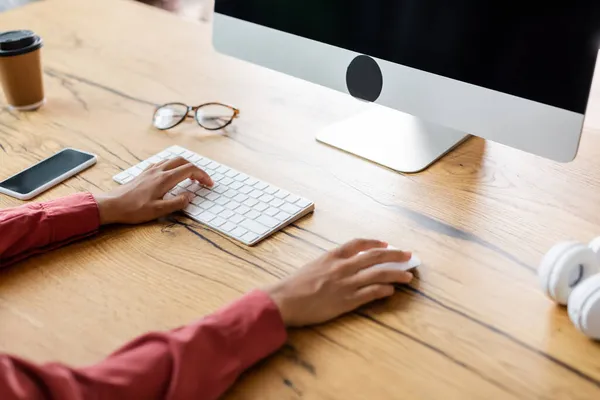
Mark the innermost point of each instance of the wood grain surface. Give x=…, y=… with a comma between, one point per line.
x=474, y=325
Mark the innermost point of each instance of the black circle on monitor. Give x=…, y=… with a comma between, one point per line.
x=364, y=78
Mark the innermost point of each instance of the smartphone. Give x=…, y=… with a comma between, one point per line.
x=47, y=173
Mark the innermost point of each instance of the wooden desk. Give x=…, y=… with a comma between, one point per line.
x=474, y=326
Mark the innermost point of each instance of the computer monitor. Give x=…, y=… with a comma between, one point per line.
x=516, y=73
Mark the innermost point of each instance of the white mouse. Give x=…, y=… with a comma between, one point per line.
x=414, y=262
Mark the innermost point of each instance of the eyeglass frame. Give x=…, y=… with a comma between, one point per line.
x=236, y=114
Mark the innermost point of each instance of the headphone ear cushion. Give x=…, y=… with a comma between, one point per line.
x=563, y=267
x=584, y=307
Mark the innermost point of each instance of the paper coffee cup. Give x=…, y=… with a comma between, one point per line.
x=21, y=69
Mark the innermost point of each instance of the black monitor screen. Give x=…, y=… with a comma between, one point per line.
x=543, y=52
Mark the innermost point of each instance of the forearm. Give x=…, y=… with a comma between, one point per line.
x=39, y=227
x=200, y=360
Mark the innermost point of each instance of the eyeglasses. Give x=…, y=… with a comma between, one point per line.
x=210, y=116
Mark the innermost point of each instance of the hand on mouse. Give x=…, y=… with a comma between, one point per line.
x=141, y=200
x=338, y=282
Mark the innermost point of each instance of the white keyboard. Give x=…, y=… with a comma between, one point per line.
x=239, y=206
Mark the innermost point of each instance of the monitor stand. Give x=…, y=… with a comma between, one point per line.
x=392, y=138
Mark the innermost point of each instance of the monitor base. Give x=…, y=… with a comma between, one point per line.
x=393, y=139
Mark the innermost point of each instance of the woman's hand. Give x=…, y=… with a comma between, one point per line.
x=141, y=200
x=338, y=282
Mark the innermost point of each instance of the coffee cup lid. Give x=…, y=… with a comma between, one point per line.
x=14, y=43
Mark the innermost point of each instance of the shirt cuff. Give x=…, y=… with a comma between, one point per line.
x=72, y=216
x=254, y=327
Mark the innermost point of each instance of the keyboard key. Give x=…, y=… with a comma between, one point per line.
x=206, y=216
x=184, y=184
x=164, y=154
x=222, y=169
x=122, y=176
x=154, y=160
x=251, y=181
x=226, y=181
x=220, y=188
x=239, y=232
x=213, y=196
x=214, y=165
x=228, y=226
x=203, y=162
x=242, y=210
x=241, y=177
x=236, y=218
x=282, y=194
x=171, y=156
x=241, y=198
x=254, y=226
x=261, y=185
x=250, y=202
x=231, y=193
x=177, y=150
x=226, y=214
x=143, y=165
x=277, y=203
x=217, y=222
x=303, y=203
x=260, y=207
x=288, y=208
x=249, y=237
x=222, y=200
x=268, y=221
x=272, y=211
x=178, y=190
x=216, y=209
x=135, y=171
x=207, y=204
x=236, y=185
x=168, y=196
x=252, y=214
x=232, y=205
x=187, y=155
x=210, y=172
x=192, y=209
x=195, y=158
x=217, y=177
x=282, y=216
x=271, y=190
x=256, y=193
x=246, y=189
x=292, y=198
x=198, y=200
x=232, y=173
x=266, y=198
x=194, y=187
x=203, y=192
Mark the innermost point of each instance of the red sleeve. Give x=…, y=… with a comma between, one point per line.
x=197, y=361
x=39, y=227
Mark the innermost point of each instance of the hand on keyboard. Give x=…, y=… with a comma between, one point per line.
x=339, y=282
x=239, y=206
x=141, y=199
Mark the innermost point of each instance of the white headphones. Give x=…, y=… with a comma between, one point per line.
x=570, y=274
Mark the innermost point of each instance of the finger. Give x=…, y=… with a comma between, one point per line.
x=377, y=256
x=173, y=163
x=158, y=164
x=371, y=293
x=356, y=246
x=371, y=276
x=185, y=171
x=171, y=205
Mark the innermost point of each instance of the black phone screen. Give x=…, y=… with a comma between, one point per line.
x=40, y=174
